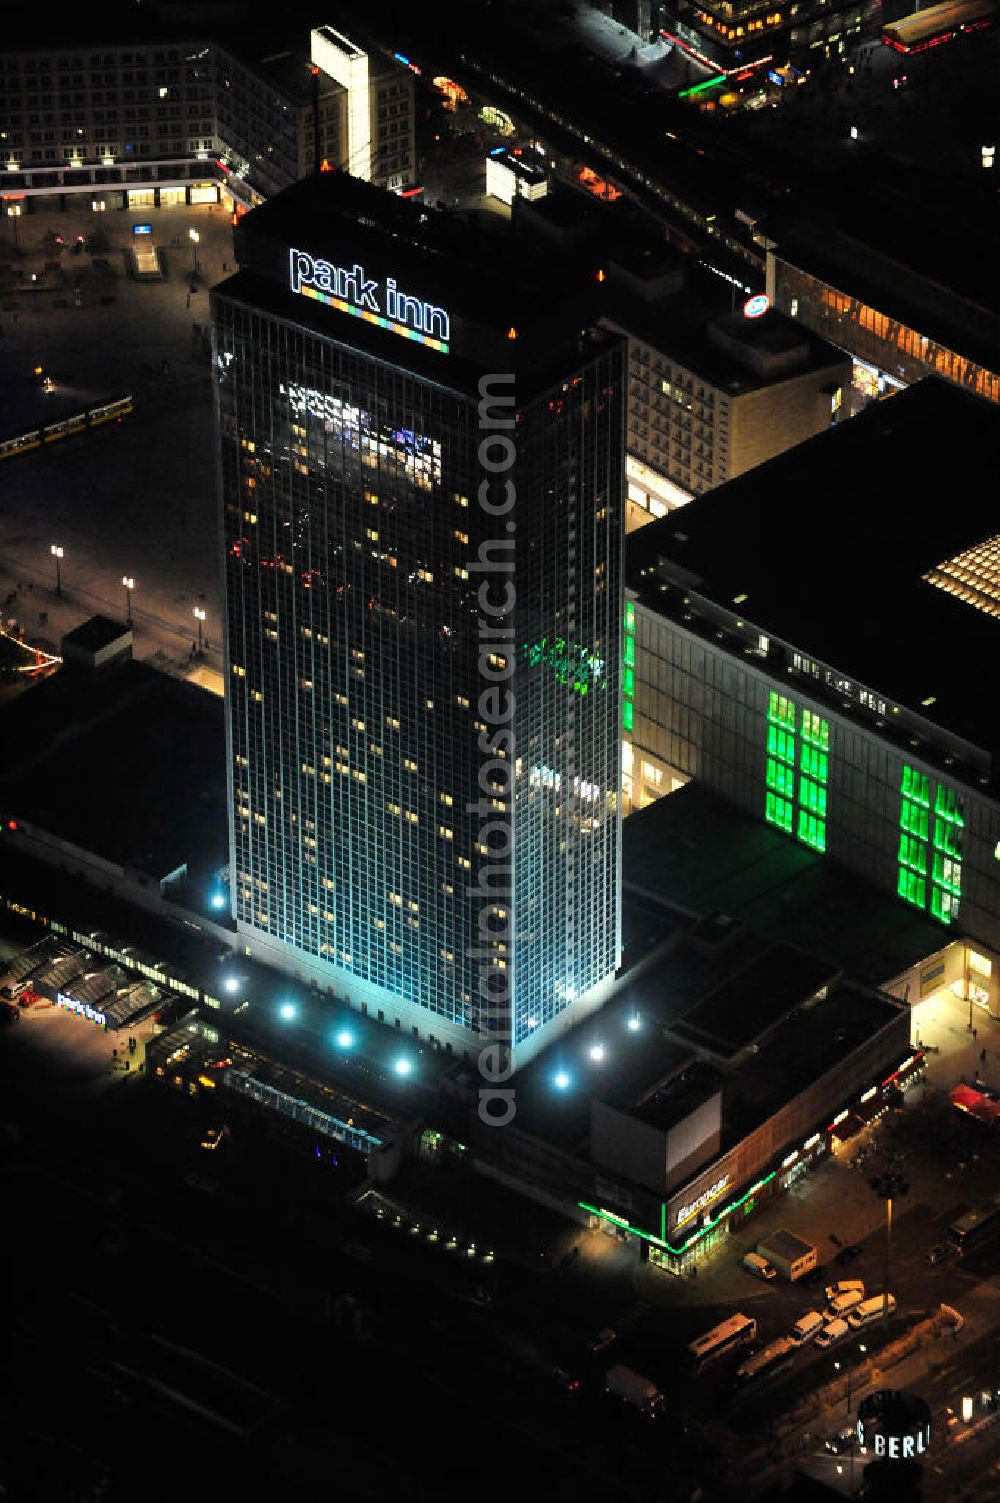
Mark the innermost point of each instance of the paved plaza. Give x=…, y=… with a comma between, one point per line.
x=135, y=498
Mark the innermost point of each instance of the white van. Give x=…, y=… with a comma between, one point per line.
x=871, y=1310
x=754, y=1263
x=844, y=1287
x=845, y=1302
x=835, y=1331
x=807, y=1325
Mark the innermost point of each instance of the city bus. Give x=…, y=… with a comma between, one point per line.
x=975, y=1227
x=728, y=1336
x=937, y=24
x=772, y=1358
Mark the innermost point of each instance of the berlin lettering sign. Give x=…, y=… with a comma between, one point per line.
x=898, y=1447
x=380, y=303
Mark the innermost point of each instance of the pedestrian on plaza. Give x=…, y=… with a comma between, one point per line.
x=982, y=1056
x=114, y=1058
x=975, y=1031
x=189, y=300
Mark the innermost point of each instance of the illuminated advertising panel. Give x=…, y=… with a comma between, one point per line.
x=377, y=302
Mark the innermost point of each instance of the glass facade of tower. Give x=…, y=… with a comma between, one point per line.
x=349, y=493
x=568, y=687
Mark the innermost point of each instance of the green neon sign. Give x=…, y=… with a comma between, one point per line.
x=709, y=83
x=661, y=1240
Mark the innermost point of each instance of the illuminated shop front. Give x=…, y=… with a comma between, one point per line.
x=700, y=1217
x=896, y=351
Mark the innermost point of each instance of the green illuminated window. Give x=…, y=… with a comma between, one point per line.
x=948, y=805
x=797, y=805
x=930, y=843
x=778, y=811
x=781, y=744
x=914, y=818
x=912, y=888
x=812, y=831
x=812, y=797
x=947, y=873
x=628, y=669
x=815, y=764
x=815, y=730
x=780, y=778
x=781, y=710
x=944, y=904
x=917, y=786
x=947, y=837
x=912, y=853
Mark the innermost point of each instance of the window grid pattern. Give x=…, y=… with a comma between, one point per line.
x=796, y=802
x=930, y=845
x=353, y=682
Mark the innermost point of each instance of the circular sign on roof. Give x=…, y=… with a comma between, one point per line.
x=756, y=305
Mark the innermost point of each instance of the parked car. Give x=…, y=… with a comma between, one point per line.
x=11, y=1013
x=843, y=1440
x=807, y=1325
x=938, y=1253
x=848, y=1254
x=844, y=1287
x=844, y=1302
x=759, y=1267
x=871, y=1310
x=603, y=1338
x=834, y=1331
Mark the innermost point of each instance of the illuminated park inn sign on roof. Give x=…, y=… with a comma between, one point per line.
x=379, y=303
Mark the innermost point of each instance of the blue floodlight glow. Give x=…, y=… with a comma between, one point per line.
x=402, y=1067
x=217, y=900
x=561, y=1080
x=345, y=1038
x=633, y=1023
x=232, y=984
x=287, y=1011
x=596, y=1052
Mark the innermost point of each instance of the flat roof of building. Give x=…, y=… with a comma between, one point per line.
x=126, y=762
x=96, y=633
x=693, y=852
x=749, y=1004
x=680, y=323
x=912, y=246
x=820, y=547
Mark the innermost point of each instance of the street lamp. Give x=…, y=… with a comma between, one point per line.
x=887, y=1186
x=128, y=584
x=199, y=616
x=194, y=238
x=57, y=554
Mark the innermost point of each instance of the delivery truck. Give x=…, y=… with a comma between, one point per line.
x=634, y=1389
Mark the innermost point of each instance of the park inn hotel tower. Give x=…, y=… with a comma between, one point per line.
x=413, y=679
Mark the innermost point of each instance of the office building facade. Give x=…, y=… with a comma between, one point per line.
x=162, y=118
x=808, y=706
x=372, y=781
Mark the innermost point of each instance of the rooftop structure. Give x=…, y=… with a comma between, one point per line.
x=861, y=603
